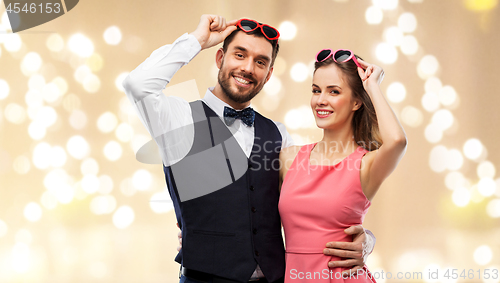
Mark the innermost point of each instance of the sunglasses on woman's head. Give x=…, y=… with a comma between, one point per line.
x=339, y=56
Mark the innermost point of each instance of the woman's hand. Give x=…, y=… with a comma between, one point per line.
x=179, y=237
x=371, y=75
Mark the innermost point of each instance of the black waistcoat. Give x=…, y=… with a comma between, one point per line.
x=226, y=203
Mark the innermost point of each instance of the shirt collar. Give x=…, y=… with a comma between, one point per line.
x=215, y=103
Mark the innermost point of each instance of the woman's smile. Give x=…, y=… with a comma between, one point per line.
x=323, y=113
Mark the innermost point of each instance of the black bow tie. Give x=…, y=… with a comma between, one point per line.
x=246, y=115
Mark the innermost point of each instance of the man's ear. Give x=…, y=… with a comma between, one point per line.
x=269, y=74
x=219, y=57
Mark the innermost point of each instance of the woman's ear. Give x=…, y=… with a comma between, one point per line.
x=357, y=104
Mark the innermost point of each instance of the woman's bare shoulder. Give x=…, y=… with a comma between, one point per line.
x=287, y=155
x=291, y=150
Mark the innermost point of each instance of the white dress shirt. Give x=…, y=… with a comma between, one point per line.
x=162, y=114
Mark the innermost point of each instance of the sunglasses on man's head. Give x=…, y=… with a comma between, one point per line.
x=339, y=56
x=268, y=31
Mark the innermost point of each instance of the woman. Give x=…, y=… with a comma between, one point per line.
x=328, y=186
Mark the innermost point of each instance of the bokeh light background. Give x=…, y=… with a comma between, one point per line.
x=75, y=205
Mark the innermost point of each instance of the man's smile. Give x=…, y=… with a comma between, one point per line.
x=241, y=81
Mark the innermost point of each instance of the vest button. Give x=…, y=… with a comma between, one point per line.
x=256, y=253
x=254, y=209
x=254, y=231
x=250, y=165
x=252, y=188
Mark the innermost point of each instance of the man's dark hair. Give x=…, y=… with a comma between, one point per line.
x=258, y=33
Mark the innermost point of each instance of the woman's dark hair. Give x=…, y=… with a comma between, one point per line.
x=364, y=121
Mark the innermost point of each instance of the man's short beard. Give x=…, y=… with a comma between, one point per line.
x=226, y=88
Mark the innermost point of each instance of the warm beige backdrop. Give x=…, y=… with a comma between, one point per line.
x=55, y=226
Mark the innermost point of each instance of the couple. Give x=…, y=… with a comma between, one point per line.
x=220, y=159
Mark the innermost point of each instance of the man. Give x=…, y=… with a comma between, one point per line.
x=220, y=156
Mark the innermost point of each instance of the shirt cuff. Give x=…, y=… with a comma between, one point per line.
x=371, y=246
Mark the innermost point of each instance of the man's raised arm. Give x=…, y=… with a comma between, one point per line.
x=163, y=115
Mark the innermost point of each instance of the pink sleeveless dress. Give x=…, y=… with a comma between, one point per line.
x=317, y=203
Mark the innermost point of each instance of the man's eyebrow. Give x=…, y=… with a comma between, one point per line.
x=262, y=57
x=241, y=48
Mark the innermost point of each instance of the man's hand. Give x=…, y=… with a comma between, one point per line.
x=179, y=237
x=354, y=253
x=212, y=30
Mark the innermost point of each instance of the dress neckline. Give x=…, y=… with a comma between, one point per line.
x=314, y=145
